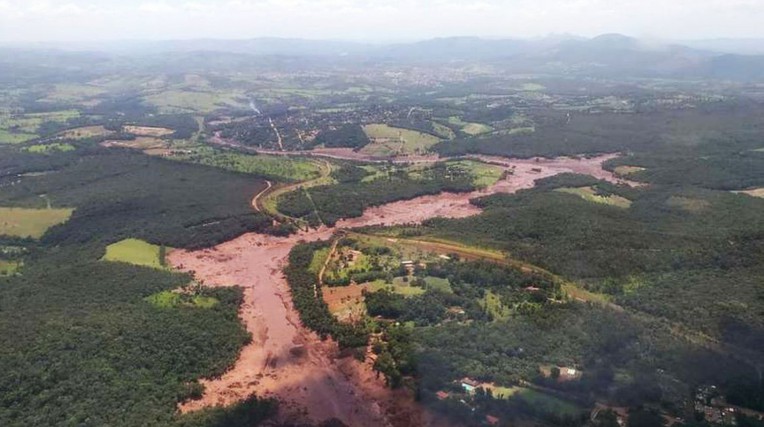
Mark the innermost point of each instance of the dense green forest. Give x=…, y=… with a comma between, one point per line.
x=81, y=343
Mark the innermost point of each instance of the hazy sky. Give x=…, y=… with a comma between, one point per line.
x=32, y=20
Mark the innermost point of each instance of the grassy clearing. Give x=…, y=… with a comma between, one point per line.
x=15, y=138
x=485, y=175
x=439, y=284
x=688, y=204
x=139, y=143
x=21, y=222
x=443, y=131
x=346, y=302
x=470, y=128
x=590, y=194
x=136, y=252
x=627, y=170
x=9, y=268
x=281, y=168
x=148, y=131
x=392, y=140
x=49, y=148
x=170, y=299
x=492, y=305
x=319, y=258
x=549, y=404
x=85, y=132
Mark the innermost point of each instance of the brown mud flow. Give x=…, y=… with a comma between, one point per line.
x=287, y=361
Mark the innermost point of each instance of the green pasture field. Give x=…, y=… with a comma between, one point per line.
x=136, y=252
x=470, y=128
x=282, y=168
x=15, y=138
x=485, y=175
x=590, y=194
x=22, y=222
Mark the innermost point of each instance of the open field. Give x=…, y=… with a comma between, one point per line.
x=139, y=143
x=20, y=222
x=281, y=168
x=156, y=132
x=549, y=404
x=627, y=170
x=346, y=302
x=15, y=138
x=485, y=174
x=689, y=204
x=470, y=128
x=173, y=299
x=388, y=140
x=85, y=132
x=136, y=252
x=8, y=268
x=590, y=194
x=443, y=131
x=49, y=148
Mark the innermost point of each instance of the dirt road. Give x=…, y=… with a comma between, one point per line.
x=287, y=361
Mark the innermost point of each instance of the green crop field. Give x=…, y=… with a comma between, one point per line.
x=21, y=222
x=136, y=252
x=590, y=194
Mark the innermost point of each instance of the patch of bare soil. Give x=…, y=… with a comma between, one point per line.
x=289, y=362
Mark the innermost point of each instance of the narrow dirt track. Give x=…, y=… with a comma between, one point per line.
x=289, y=362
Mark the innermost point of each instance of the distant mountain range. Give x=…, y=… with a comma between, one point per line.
x=605, y=55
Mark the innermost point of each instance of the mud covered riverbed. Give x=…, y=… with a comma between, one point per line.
x=289, y=362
